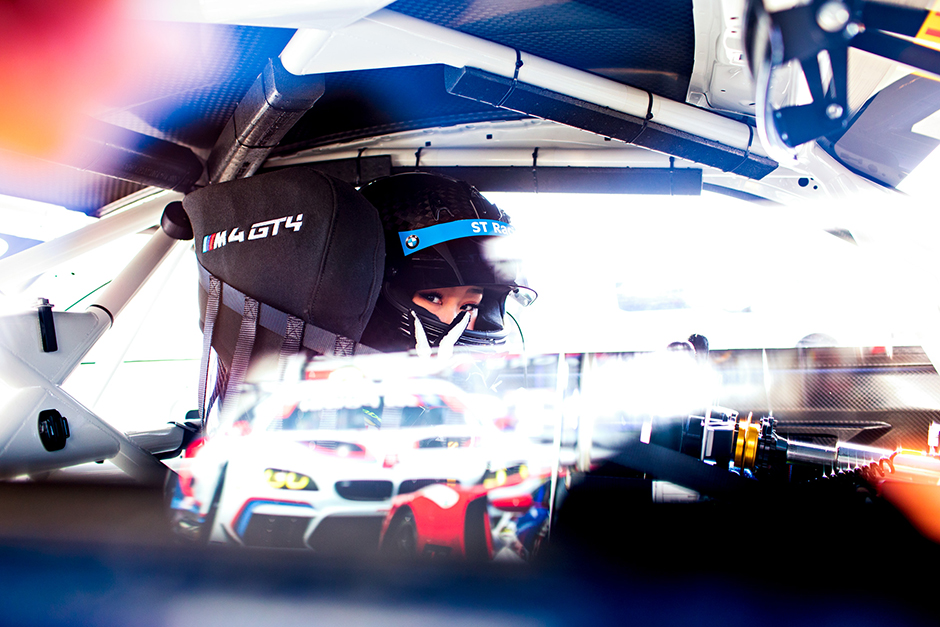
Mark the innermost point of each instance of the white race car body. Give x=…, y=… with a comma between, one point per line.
x=269, y=485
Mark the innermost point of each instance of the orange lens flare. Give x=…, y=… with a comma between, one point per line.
x=920, y=504
x=59, y=60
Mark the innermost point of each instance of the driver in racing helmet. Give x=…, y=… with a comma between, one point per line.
x=439, y=276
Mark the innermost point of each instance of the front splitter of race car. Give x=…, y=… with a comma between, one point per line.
x=269, y=523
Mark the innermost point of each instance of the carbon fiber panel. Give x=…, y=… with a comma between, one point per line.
x=587, y=34
x=189, y=103
x=28, y=177
x=827, y=394
x=378, y=102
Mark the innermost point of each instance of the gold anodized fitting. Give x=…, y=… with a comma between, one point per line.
x=746, y=440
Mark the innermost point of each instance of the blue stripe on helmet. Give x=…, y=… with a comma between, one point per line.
x=418, y=239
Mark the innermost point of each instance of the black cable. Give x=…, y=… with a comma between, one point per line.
x=646, y=120
x=535, y=174
x=747, y=151
x=359, y=167
x=515, y=80
x=525, y=361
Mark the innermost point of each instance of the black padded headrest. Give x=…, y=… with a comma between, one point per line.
x=297, y=240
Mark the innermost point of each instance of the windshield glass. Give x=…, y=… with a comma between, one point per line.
x=638, y=272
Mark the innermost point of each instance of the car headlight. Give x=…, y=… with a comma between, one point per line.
x=494, y=479
x=511, y=475
x=287, y=480
x=444, y=442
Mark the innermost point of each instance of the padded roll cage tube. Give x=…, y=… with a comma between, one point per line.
x=388, y=39
x=607, y=179
x=600, y=180
x=642, y=131
x=274, y=103
x=124, y=154
x=120, y=153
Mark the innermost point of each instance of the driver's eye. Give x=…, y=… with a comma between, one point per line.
x=432, y=297
x=470, y=306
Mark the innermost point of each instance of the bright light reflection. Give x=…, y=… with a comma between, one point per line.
x=638, y=272
x=36, y=220
x=67, y=284
x=922, y=182
x=663, y=383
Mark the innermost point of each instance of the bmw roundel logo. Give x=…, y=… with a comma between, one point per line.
x=411, y=241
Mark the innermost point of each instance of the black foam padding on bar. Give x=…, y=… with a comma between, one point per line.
x=490, y=88
x=175, y=222
x=668, y=181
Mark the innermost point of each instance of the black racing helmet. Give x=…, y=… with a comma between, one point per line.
x=436, y=233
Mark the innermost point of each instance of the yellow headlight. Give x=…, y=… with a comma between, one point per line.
x=296, y=482
x=286, y=480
